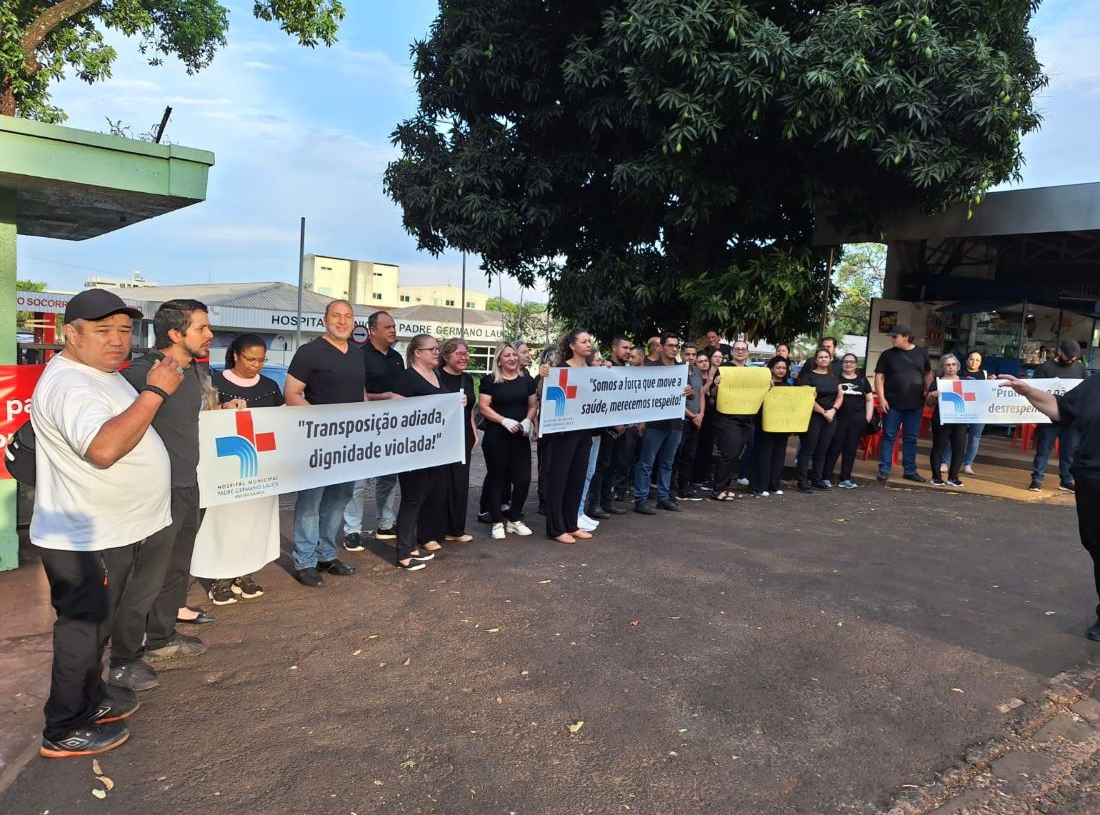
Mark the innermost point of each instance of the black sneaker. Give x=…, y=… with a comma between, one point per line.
x=178, y=645
x=484, y=518
x=883, y=476
x=598, y=514
x=938, y=482
x=423, y=557
x=310, y=577
x=247, y=588
x=89, y=740
x=353, y=542
x=644, y=508
x=115, y=710
x=805, y=486
x=386, y=533
x=413, y=565
x=336, y=567
x=917, y=477
x=954, y=482
x=1093, y=632
x=690, y=495
x=668, y=504
x=1067, y=486
x=134, y=676
x=614, y=510
x=1034, y=486
x=824, y=485
x=221, y=592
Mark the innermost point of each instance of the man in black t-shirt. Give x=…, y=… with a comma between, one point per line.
x=383, y=367
x=659, y=444
x=902, y=379
x=1064, y=365
x=324, y=371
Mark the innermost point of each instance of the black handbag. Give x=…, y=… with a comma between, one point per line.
x=19, y=454
x=873, y=426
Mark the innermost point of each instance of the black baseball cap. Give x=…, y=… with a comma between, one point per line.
x=901, y=330
x=95, y=304
x=1070, y=348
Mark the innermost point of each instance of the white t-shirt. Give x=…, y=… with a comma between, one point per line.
x=79, y=506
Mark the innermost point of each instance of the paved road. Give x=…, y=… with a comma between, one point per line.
x=796, y=654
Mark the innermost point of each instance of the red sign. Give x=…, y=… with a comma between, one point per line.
x=16, y=386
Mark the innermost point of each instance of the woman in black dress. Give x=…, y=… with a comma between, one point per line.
x=816, y=439
x=454, y=379
x=854, y=416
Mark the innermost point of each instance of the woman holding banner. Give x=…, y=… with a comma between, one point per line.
x=944, y=434
x=770, y=450
x=567, y=454
x=855, y=414
x=454, y=379
x=819, y=435
x=507, y=402
x=420, y=518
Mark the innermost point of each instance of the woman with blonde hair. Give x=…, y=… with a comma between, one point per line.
x=507, y=403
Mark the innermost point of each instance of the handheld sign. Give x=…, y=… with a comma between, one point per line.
x=742, y=390
x=788, y=410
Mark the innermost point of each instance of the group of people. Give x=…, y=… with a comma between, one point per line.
x=117, y=511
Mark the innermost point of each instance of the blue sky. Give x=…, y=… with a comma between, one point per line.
x=299, y=132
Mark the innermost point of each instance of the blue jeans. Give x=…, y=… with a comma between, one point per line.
x=317, y=516
x=592, y=457
x=659, y=445
x=385, y=499
x=974, y=439
x=892, y=422
x=1045, y=434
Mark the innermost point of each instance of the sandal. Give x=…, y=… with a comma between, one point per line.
x=581, y=534
x=566, y=538
x=725, y=495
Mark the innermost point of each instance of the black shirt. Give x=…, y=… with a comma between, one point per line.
x=903, y=373
x=453, y=383
x=411, y=383
x=177, y=420
x=827, y=386
x=1053, y=369
x=1081, y=408
x=972, y=375
x=331, y=376
x=508, y=397
x=264, y=393
x=383, y=371
x=855, y=396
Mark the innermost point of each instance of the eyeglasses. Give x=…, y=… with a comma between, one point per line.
x=740, y=349
x=254, y=360
x=433, y=350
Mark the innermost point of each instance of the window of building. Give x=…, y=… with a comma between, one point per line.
x=436, y=301
x=326, y=268
x=471, y=304
x=450, y=302
x=377, y=295
x=481, y=359
x=405, y=298
x=326, y=290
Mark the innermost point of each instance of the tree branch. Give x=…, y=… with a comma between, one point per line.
x=47, y=21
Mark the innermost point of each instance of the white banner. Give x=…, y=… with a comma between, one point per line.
x=246, y=454
x=582, y=398
x=990, y=401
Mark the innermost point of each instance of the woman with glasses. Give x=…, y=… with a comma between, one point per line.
x=946, y=434
x=567, y=454
x=507, y=402
x=455, y=357
x=855, y=414
x=420, y=517
x=817, y=438
x=239, y=385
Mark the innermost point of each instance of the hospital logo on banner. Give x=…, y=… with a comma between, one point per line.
x=246, y=445
x=958, y=396
x=562, y=392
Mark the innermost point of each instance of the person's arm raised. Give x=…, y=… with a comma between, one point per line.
x=120, y=435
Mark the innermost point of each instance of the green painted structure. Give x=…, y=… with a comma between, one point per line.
x=58, y=182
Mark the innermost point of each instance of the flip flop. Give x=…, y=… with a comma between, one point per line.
x=724, y=496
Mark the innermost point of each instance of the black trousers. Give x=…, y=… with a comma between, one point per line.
x=769, y=454
x=845, y=444
x=622, y=467
x=421, y=514
x=1087, y=494
x=85, y=589
x=732, y=433
x=600, y=491
x=157, y=588
x=942, y=435
x=685, y=458
x=815, y=444
x=703, y=467
x=457, y=486
x=567, y=455
x=507, y=468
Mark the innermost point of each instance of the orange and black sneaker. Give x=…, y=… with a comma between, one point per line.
x=115, y=710
x=89, y=740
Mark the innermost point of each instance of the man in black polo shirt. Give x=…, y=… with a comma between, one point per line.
x=903, y=375
x=324, y=371
x=383, y=367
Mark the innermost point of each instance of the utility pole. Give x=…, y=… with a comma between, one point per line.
x=301, y=282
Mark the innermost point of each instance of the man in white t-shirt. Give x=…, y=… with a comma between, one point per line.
x=101, y=489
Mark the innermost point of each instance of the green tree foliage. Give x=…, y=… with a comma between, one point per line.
x=529, y=321
x=40, y=40
x=658, y=161
x=857, y=279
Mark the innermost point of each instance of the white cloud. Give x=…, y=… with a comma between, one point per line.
x=261, y=66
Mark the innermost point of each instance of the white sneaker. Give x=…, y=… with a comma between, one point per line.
x=778, y=492
x=518, y=528
x=586, y=523
x=968, y=469
x=498, y=532
x=744, y=482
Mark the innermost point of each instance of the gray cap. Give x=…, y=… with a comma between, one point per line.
x=1070, y=348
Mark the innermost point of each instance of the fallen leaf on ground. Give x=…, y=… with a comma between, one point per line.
x=407, y=662
x=958, y=690
x=96, y=768
x=633, y=623
x=575, y=727
x=544, y=582
x=372, y=637
x=100, y=794
x=492, y=630
x=1050, y=613
x=107, y=783
x=357, y=652
x=405, y=765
